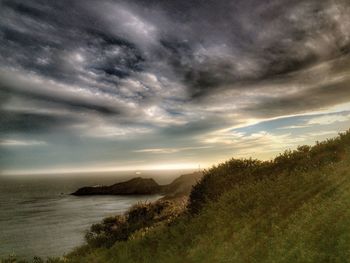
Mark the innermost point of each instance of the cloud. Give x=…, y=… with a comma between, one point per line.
x=320, y=119
x=34, y=87
x=293, y=127
x=303, y=101
x=125, y=21
x=256, y=48
x=328, y=119
x=15, y=143
x=102, y=130
x=322, y=133
x=263, y=140
x=29, y=123
x=170, y=150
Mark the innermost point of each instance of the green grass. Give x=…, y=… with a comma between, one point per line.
x=295, y=208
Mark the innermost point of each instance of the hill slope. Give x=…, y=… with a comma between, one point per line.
x=182, y=185
x=295, y=208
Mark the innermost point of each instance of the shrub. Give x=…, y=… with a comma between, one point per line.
x=219, y=179
x=139, y=216
x=105, y=234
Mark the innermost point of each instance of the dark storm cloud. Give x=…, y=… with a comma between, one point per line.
x=41, y=37
x=195, y=128
x=72, y=103
x=302, y=102
x=12, y=122
x=273, y=40
x=206, y=46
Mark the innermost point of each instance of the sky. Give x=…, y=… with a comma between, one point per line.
x=103, y=85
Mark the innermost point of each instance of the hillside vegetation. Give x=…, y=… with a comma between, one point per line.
x=295, y=208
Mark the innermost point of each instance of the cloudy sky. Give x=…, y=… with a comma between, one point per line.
x=91, y=85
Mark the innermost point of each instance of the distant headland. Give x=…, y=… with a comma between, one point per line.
x=181, y=186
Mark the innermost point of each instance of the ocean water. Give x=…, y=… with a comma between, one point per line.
x=39, y=217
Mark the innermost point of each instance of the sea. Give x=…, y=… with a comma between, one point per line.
x=39, y=217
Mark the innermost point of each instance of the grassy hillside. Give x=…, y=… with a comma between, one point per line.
x=295, y=208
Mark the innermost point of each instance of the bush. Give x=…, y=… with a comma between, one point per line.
x=139, y=216
x=219, y=179
x=105, y=234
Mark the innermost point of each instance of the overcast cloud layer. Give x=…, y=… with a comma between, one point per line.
x=110, y=84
